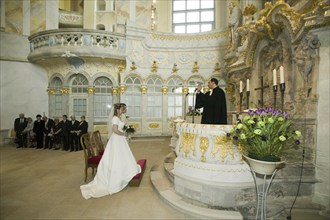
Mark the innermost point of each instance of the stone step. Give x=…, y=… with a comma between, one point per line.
x=192, y=209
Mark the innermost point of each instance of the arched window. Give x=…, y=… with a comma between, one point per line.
x=102, y=97
x=133, y=97
x=174, y=95
x=57, y=101
x=154, y=98
x=79, y=94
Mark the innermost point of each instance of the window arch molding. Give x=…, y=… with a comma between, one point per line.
x=55, y=75
x=133, y=75
x=195, y=77
x=175, y=76
x=70, y=77
x=107, y=75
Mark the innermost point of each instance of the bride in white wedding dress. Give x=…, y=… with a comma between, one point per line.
x=117, y=166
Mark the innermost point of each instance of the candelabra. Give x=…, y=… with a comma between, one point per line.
x=240, y=102
x=275, y=91
x=282, y=88
x=247, y=99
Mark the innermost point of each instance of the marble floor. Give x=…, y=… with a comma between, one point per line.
x=44, y=184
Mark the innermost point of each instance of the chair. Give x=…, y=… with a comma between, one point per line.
x=91, y=160
x=97, y=142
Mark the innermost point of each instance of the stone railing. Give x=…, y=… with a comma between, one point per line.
x=80, y=42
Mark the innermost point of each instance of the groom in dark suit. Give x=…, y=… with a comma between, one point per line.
x=213, y=102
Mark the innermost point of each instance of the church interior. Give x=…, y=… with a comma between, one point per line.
x=79, y=57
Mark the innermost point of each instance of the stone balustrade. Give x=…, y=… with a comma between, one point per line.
x=76, y=42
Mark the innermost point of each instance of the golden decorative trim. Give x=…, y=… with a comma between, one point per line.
x=144, y=89
x=154, y=125
x=51, y=91
x=154, y=66
x=164, y=90
x=90, y=90
x=187, y=143
x=185, y=90
x=206, y=89
x=223, y=146
x=133, y=67
x=195, y=67
x=204, y=144
x=121, y=67
x=115, y=91
x=65, y=90
x=122, y=88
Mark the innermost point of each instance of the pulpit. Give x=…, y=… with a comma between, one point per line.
x=208, y=167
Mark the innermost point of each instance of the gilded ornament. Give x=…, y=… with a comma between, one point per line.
x=91, y=90
x=121, y=67
x=122, y=88
x=174, y=69
x=154, y=125
x=223, y=146
x=114, y=91
x=206, y=89
x=217, y=67
x=204, y=144
x=195, y=67
x=51, y=91
x=65, y=90
x=185, y=90
x=187, y=143
x=144, y=89
x=164, y=90
x=154, y=66
x=133, y=66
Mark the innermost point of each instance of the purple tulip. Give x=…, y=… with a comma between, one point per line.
x=266, y=109
x=257, y=112
x=263, y=113
x=297, y=142
x=285, y=114
x=270, y=109
x=251, y=112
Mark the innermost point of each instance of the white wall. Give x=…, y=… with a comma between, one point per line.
x=22, y=85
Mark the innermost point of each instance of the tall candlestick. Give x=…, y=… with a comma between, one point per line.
x=281, y=75
x=240, y=86
x=247, y=85
x=274, y=77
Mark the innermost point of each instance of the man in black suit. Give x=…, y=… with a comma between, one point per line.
x=213, y=102
x=19, y=125
x=65, y=132
x=74, y=145
x=49, y=125
x=38, y=129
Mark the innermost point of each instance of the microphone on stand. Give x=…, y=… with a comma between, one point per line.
x=196, y=90
x=187, y=94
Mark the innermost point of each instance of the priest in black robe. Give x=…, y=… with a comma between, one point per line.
x=213, y=102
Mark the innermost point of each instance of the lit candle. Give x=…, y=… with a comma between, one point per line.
x=240, y=86
x=247, y=85
x=281, y=75
x=274, y=77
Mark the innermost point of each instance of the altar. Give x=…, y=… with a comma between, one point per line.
x=208, y=167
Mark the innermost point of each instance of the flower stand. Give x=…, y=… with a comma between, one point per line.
x=262, y=169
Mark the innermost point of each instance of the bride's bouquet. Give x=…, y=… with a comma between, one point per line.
x=129, y=129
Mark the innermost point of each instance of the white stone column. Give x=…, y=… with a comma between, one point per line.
x=3, y=14
x=52, y=14
x=132, y=10
x=26, y=17
x=322, y=190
